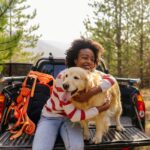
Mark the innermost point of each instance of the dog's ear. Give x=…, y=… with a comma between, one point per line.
x=63, y=76
x=89, y=83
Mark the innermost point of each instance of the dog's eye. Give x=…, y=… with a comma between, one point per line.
x=75, y=77
x=66, y=76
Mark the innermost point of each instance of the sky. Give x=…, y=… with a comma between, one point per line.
x=60, y=20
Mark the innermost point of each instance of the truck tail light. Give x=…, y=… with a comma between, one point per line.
x=140, y=105
x=2, y=99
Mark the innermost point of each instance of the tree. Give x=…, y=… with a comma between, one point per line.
x=7, y=43
x=20, y=20
x=141, y=36
x=15, y=24
x=122, y=26
x=107, y=30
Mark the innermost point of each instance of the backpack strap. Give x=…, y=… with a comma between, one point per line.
x=24, y=123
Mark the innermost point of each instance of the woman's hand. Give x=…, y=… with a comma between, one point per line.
x=82, y=97
x=85, y=96
x=106, y=105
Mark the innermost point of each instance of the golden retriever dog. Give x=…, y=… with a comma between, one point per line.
x=75, y=80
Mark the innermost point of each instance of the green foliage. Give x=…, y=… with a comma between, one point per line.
x=7, y=43
x=21, y=20
x=122, y=27
x=16, y=31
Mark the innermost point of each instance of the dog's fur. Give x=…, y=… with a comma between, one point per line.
x=76, y=79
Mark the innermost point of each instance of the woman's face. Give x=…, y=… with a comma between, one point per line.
x=85, y=59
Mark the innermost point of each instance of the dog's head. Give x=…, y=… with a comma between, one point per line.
x=75, y=79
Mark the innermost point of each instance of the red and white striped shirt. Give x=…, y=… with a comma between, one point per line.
x=57, y=107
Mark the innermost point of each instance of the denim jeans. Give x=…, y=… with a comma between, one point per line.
x=48, y=130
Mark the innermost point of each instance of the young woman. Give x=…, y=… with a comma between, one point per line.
x=57, y=115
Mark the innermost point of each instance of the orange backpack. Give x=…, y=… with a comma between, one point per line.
x=19, y=107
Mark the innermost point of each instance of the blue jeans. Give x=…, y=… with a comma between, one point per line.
x=48, y=130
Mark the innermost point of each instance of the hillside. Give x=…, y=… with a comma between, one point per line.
x=56, y=48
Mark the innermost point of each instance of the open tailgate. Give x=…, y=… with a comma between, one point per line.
x=113, y=139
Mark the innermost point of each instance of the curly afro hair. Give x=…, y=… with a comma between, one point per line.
x=73, y=52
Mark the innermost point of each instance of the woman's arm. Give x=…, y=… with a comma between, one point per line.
x=107, y=82
x=76, y=115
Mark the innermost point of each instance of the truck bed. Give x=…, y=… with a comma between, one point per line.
x=114, y=139
x=132, y=136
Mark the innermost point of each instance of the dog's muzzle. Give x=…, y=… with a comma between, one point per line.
x=66, y=86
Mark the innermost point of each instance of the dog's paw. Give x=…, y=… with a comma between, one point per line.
x=97, y=140
x=87, y=136
x=120, y=128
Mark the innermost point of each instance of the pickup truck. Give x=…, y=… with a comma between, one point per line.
x=133, y=116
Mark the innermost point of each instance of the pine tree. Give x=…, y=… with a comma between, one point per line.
x=107, y=29
x=141, y=36
x=19, y=19
x=7, y=43
x=122, y=26
x=15, y=26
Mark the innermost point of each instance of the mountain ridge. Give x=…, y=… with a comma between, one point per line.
x=44, y=46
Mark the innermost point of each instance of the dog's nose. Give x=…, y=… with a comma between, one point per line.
x=65, y=86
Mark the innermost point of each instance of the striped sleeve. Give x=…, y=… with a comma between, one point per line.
x=76, y=115
x=53, y=104
x=107, y=82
